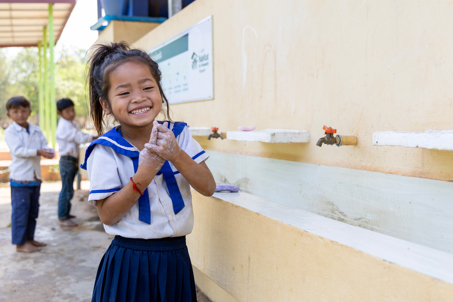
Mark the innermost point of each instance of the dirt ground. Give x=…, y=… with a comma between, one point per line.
x=65, y=269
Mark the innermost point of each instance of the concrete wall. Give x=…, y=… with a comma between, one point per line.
x=358, y=66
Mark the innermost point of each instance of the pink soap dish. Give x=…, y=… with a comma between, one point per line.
x=250, y=128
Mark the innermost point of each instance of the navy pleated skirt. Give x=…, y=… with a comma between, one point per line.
x=145, y=270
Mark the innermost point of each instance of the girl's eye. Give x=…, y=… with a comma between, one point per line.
x=123, y=93
x=148, y=88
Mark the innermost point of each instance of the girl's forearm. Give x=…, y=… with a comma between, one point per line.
x=114, y=207
x=198, y=175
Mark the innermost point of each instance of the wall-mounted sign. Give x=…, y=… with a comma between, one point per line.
x=186, y=64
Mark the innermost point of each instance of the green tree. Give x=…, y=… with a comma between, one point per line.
x=19, y=76
x=70, y=74
x=24, y=75
x=5, y=87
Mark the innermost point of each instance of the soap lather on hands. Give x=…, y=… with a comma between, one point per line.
x=162, y=146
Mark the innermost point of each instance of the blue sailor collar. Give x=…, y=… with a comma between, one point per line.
x=116, y=141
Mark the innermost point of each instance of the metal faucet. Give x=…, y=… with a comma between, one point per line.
x=215, y=134
x=329, y=139
x=339, y=140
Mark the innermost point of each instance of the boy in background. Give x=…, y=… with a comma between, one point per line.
x=68, y=138
x=27, y=144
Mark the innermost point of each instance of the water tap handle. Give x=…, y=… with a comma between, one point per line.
x=215, y=134
x=329, y=129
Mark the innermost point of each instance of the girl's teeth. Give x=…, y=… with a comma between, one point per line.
x=140, y=111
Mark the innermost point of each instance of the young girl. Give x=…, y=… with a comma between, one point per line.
x=140, y=174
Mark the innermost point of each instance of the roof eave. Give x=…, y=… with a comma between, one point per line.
x=73, y=2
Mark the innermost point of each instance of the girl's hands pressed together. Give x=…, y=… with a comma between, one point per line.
x=149, y=158
x=164, y=142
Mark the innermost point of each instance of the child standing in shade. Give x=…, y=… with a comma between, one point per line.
x=26, y=144
x=140, y=174
x=69, y=137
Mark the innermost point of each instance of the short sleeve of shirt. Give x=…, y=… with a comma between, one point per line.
x=191, y=146
x=102, y=169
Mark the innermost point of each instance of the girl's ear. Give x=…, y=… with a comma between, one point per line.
x=105, y=106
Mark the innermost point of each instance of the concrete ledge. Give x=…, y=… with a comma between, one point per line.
x=271, y=136
x=433, y=139
x=49, y=170
x=425, y=260
x=5, y=155
x=200, y=131
x=261, y=251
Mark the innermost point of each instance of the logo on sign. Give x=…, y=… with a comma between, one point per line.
x=204, y=57
x=194, y=61
x=203, y=62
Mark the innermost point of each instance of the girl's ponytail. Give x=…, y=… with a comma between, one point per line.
x=101, y=57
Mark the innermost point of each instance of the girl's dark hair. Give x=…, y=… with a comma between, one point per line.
x=17, y=101
x=103, y=61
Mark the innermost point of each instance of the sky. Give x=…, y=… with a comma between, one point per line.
x=77, y=32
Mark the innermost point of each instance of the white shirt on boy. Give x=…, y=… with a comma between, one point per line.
x=69, y=137
x=109, y=171
x=23, y=146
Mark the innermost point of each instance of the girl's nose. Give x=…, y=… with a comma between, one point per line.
x=138, y=98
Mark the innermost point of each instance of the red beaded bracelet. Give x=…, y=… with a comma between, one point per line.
x=134, y=186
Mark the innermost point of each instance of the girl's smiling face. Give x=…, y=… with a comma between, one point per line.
x=134, y=97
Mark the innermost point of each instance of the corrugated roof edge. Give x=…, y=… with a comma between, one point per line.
x=45, y=1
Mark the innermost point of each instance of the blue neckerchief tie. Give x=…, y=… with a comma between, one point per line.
x=173, y=189
x=144, y=210
x=169, y=176
x=144, y=207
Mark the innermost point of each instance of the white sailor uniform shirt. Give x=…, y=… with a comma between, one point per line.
x=110, y=164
